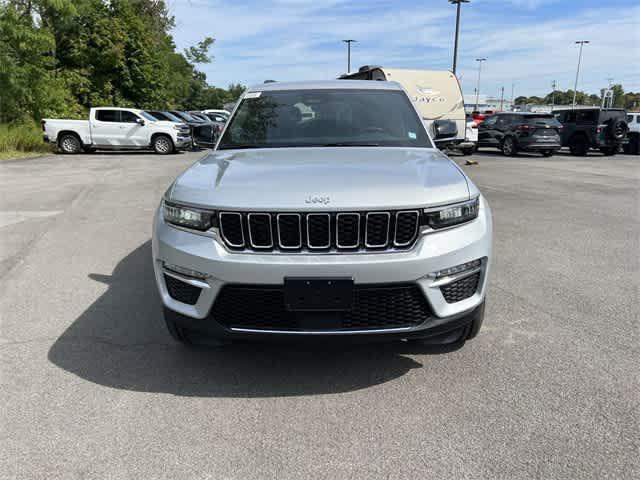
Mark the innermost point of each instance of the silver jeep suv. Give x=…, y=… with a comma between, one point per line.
x=324, y=211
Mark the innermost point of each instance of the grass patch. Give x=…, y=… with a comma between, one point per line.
x=21, y=140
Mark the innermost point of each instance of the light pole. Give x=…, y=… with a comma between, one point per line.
x=348, y=42
x=501, y=98
x=479, y=60
x=455, y=48
x=553, y=94
x=575, y=88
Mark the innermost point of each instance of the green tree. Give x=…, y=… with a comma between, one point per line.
x=60, y=57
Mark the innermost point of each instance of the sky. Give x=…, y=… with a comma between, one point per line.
x=528, y=43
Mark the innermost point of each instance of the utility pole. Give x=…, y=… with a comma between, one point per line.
x=501, y=98
x=349, y=42
x=479, y=60
x=455, y=48
x=575, y=88
x=553, y=94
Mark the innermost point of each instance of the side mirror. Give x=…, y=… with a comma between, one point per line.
x=140, y=122
x=444, y=129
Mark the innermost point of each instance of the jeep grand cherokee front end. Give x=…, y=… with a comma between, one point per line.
x=324, y=211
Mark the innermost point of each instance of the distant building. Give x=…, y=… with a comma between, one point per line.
x=485, y=102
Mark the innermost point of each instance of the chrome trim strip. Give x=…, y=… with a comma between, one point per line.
x=325, y=332
x=441, y=282
x=224, y=237
x=357, y=244
x=427, y=230
x=299, y=230
x=413, y=237
x=268, y=215
x=213, y=232
x=317, y=247
x=366, y=230
x=450, y=205
x=189, y=280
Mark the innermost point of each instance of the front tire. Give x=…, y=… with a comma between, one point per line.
x=179, y=334
x=509, y=148
x=69, y=144
x=476, y=324
x=547, y=153
x=467, y=151
x=162, y=145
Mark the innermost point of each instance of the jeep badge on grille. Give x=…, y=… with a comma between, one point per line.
x=322, y=200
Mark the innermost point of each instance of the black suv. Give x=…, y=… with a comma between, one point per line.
x=584, y=128
x=515, y=132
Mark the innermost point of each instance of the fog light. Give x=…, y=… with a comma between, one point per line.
x=184, y=271
x=447, y=272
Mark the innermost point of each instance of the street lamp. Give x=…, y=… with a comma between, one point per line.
x=575, y=88
x=479, y=60
x=348, y=42
x=455, y=48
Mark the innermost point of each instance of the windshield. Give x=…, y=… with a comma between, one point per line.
x=185, y=117
x=149, y=117
x=200, y=117
x=311, y=118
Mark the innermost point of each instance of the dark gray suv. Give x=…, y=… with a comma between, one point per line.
x=515, y=132
x=604, y=129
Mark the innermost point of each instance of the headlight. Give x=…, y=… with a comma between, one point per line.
x=452, y=214
x=189, y=217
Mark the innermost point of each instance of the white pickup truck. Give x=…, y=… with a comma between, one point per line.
x=116, y=128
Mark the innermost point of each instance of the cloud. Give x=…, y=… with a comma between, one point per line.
x=527, y=42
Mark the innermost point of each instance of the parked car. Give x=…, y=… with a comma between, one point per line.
x=116, y=128
x=348, y=223
x=521, y=132
x=480, y=117
x=219, y=111
x=217, y=117
x=633, y=146
x=165, y=116
x=470, y=144
x=604, y=129
x=204, y=132
x=218, y=120
x=436, y=95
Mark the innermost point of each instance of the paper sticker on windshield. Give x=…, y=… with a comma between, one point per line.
x=412, y=135
x=252, y=95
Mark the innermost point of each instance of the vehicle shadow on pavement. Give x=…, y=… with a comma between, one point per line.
x=121, y=342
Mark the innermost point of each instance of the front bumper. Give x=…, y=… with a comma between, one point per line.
x=433, y=252
x=183, y=142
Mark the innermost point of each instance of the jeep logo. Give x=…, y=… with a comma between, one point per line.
x=315, y=200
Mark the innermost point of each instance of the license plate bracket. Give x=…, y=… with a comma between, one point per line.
x=318, y=294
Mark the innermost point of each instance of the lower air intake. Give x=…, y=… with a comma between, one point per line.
x=462, y=289
x=181, y=291
x=375, y=307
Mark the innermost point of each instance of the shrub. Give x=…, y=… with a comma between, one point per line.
x=22, y=137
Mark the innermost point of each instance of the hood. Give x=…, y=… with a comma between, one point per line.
x=321, y=179
x=165, y=123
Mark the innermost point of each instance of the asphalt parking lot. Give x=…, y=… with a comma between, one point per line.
x=92, y=386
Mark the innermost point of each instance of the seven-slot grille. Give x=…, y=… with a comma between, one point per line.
x=348, y=231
